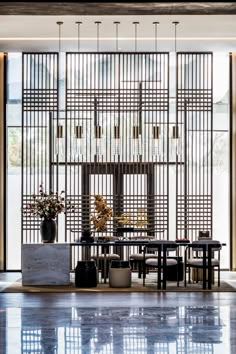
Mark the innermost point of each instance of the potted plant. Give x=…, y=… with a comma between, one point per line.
x=47, y=207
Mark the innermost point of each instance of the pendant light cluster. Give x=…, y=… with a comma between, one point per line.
x=136, y=130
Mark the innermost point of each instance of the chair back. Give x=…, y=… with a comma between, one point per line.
x=204, y=235
x=164, y=244
x=201, y=244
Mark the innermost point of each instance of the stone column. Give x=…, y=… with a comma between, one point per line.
x=2, y=164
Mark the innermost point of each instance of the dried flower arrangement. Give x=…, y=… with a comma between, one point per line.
x=46, y=206
x=103, y=213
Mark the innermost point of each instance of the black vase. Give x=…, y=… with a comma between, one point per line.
x=87, y=236
x=48, y=230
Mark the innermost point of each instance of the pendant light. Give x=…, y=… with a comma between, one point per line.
x=116, y=127
x=97, y=126
x=59, y=148
x=78, y=129
x=155, y=128
x=137, y=128
x=175, y=129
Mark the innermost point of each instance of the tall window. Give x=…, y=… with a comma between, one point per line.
x=14, y=101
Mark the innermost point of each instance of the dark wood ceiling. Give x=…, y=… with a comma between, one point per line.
x=116, y=8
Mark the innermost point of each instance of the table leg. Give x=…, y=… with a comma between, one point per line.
x=204, y=268
x=209, y=267
x=164, y=269
x=105, y=265
x=159, y=268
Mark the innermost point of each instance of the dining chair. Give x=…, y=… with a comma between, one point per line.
x=201, y=255
x=161, y=260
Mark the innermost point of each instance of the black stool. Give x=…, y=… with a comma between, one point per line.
x=86, y=274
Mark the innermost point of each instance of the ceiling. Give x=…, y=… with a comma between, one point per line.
x=194, y=33
x=117, y=8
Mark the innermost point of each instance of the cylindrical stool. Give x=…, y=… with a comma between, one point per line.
x=100, y=261
x=120, y=274
x=85, y=274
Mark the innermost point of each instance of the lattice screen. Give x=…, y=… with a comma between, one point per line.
x=195, y=121
x=113, y=137
x=117, y=112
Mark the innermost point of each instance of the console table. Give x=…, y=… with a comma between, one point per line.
x=46, y=264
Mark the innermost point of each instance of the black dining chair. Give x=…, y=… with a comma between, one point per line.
x=161, y=260
x=201, y=255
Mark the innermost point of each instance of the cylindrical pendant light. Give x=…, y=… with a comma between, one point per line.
x=98, y=132
x=175, y=132
x=155, y=132
x=135, y=131
x=78, y=131
x=59, y=131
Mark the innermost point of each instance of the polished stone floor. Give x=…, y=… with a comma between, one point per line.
x=165, y=323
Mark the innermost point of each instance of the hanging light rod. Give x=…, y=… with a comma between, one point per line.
x=135, y=37
x=78, y=24
x=117, y=36
x=175, y=23
x=156, y=24
x=98, y=24
x=59, y=23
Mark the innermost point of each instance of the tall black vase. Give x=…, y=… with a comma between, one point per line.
x=48, y=230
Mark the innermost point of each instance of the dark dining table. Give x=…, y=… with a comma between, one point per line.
x=106, y=246
x=162, y=254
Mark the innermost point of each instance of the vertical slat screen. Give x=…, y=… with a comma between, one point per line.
x=194, y=119
x=40, y=97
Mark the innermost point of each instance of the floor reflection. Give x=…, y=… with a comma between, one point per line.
x=165, y=330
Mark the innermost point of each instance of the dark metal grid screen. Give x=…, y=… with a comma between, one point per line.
x=113, y=138
x=116, y=131
x=40, y=97
x=194, y=118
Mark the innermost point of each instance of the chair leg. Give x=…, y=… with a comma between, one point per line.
x=131, y=264
x=185, y=276
x=140, y=270
x=219, y=276
x=213, y=276
x=144, y=273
